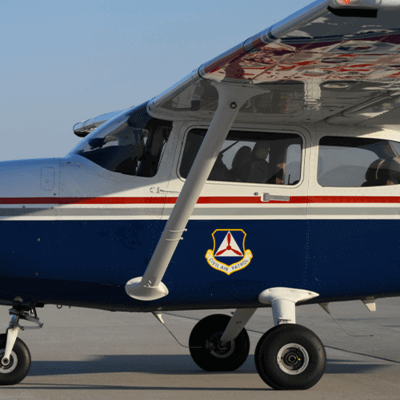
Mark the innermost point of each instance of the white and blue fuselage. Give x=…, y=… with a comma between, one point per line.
x=74, y=232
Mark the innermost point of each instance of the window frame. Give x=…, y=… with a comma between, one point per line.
x=295, y=131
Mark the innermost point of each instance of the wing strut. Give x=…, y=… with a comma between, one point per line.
x=230, y=98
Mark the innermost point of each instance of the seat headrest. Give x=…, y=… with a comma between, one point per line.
x=241, y=156
x=370, y=175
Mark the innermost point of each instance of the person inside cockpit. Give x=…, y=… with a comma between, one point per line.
x=383, y=172
x=256, y=169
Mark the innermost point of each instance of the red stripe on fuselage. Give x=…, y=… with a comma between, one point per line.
x=82, y=200
x=202, y=200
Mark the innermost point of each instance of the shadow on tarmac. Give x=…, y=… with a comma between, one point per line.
x=169, y=365
x=68, y=386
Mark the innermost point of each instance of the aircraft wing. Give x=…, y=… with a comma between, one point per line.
x=335, y=59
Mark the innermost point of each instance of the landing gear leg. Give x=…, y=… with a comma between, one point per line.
x=15, y=359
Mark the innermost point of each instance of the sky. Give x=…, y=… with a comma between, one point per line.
x=64, y=62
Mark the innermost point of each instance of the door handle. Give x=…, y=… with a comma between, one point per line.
x=266, y=197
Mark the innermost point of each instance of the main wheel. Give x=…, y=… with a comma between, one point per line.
x=207, y=350
x=19, y=365
x=290, y=356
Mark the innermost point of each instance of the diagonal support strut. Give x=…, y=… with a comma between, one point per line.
x=230, y=99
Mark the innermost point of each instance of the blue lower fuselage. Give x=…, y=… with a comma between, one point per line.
x=87, y=263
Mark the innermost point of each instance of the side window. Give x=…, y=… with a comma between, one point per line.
x=356, y=162
x=252, y=157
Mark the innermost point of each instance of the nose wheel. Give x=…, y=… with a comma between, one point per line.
x=15, y=359
x=210, y=353
x=290, y=356
x=17, y=365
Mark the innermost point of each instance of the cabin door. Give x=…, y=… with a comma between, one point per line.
x=248, y=229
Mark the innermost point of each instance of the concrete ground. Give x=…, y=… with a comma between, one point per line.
x=90, y=354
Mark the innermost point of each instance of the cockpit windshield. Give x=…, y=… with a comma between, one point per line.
x=131, y=143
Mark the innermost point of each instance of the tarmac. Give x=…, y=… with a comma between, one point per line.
x=92, y=354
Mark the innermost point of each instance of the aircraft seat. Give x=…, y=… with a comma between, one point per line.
x=258, y=166
x=242, y=157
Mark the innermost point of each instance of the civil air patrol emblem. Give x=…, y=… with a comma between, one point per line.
x=229, y=254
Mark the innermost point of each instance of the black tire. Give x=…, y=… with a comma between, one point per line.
x=20, y=362
x=205, y=349
x=290, y=357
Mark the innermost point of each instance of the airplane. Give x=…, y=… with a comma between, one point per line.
x=268, y=177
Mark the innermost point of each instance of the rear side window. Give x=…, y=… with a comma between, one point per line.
x=357, y=162
x=252, y=157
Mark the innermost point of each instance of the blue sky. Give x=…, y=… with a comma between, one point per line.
x=63, y=62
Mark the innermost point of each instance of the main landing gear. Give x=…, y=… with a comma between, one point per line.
x=210, y=353
x=287, y=357
x=15, y=359
x=290, y=356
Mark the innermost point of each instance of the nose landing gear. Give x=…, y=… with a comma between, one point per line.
x=15, y=359
x=14, y=368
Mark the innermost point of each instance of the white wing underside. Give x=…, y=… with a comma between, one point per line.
x=315, y=65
